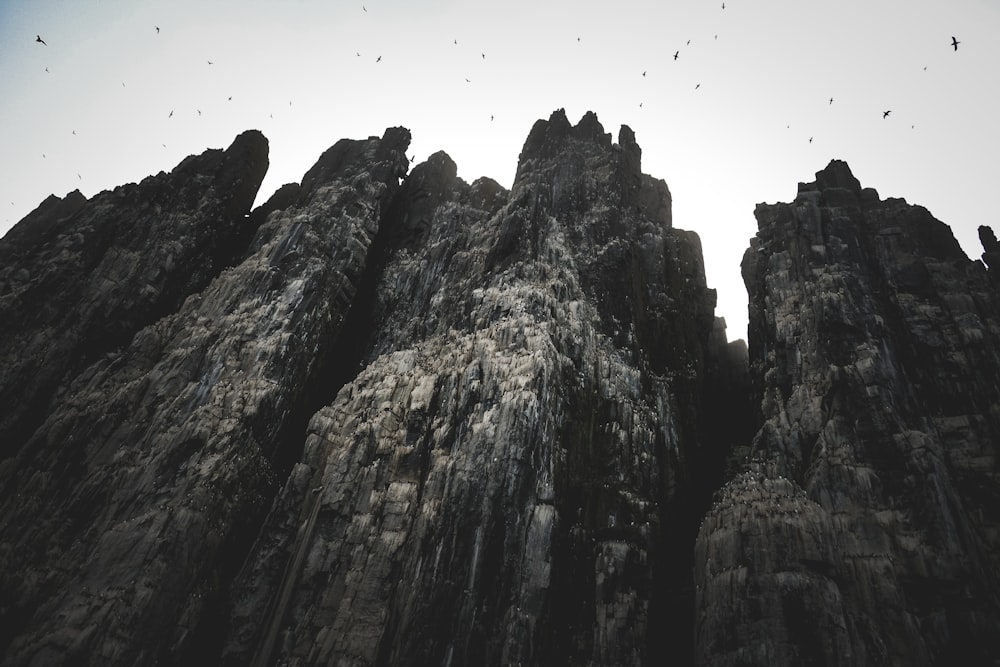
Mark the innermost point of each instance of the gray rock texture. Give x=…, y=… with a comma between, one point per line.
x=128, y=509
x=864, y=529
x=392, y=417
x=494, y=486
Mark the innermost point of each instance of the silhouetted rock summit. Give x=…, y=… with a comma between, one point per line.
x=391, y=417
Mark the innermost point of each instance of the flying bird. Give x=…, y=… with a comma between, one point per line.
x=38, y=38
x=697, y=86
x=491, y=118
x=688, y=43
x=810, y=139
x=171, y=114
x=157, y=29
x=379, y=59
x=676, y=53
x=467, y=81
x=885, y=114
x=955, y=42
x=364, y=8
x=210, y=62
x=484, y=56
x=831, y=100
x=644, y=72
x=199, y=111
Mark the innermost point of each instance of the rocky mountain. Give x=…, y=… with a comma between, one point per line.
x=391, y=417
x=864, y=529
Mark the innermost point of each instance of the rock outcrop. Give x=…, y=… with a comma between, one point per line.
x=127, y=511
x=371, y=422
x=864, y=529
x=397, y=418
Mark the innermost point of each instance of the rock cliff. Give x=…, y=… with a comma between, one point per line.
x=374, y=421
x=864, y=527
x=392, y=417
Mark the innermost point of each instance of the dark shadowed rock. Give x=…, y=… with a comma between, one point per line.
x=79, y=278
x=864, y=530
x=493, y=486
x=130, y=507
x=393, y=418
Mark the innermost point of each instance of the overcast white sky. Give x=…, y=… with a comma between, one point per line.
x=91, y=109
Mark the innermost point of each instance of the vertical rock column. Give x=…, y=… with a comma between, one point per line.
x=864, y=530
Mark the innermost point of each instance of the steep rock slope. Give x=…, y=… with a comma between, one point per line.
x=370, y=422
x=865, y=528
x=78, y=278
x=496, y=484
x=129, y=508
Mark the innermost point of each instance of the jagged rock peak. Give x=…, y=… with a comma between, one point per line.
x=580, y=164
x=874, y=353
x=838, y=185
x=389, y=153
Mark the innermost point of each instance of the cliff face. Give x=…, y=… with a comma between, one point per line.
x=396, y=418
x=864, y=529
x=395, y=423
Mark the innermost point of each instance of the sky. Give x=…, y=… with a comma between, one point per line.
x=740, y=116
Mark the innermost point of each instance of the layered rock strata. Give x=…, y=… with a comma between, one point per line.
x=865, y=528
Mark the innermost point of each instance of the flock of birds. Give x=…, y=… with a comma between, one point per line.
x=676, y=56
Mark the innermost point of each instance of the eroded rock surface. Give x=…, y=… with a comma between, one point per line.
x=78, y=278
x=864, y=530
x=493, y=486
x=128, y=510
x=371, y=422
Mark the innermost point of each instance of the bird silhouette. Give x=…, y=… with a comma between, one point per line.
x=810, y=139
x=831, y=100
x=171, y=114
x=484, y=56
x=688, y=43
x=955, y=42
x=885, y=114
x=467, y=81
x=157, y=29
x=364, y=8
x=199, y=111
x=697, y=86
x=38, y=38
x=210, y=62
x=644, y=72
x=491, y=118
x=379, y=59
x=676, y=53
